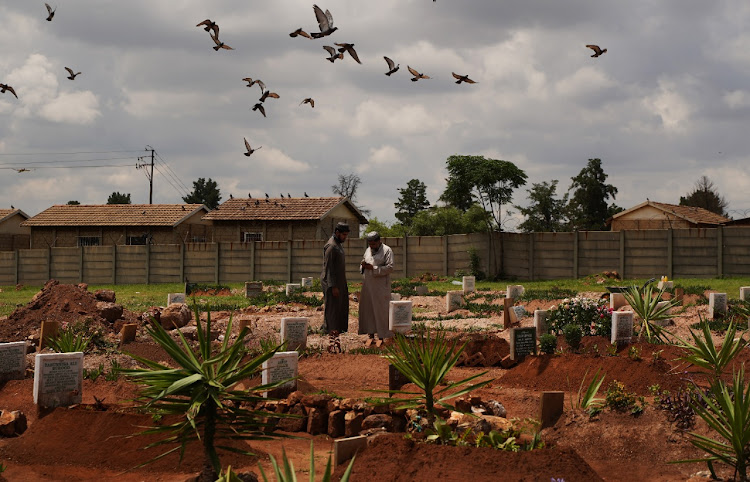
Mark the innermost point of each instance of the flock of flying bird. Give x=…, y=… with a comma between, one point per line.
x=326, y=27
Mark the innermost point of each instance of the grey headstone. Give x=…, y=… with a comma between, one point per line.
x=292, y=287
x=175, y=298
x=421, y=290
x=399, y=316
x=617, y=300
x=253, y=288
x=345, y=448
x=294, y=333
x=717, y=305
x=281, y=366
x=622, y=327
x=514, y=291
x=540, y=322
x=519, y=311
x=745, y=293
x=469, y=284
x=58, y=379
x=307, y=282
x=13, y=360
x=522, y=342
x=454, y=300
x=395, y=297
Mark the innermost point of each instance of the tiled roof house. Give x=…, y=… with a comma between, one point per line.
x=12, y=234
x=656, y=215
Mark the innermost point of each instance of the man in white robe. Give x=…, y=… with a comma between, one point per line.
x=376, y=268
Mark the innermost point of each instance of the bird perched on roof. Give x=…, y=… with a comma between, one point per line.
x=416, y=75
x=249, y=195
x=230, y=196
x=219, y=44
x=267, y=94
x=259, y=107
x=50, y=11
x=310, y=101
x=325, y=22
x=333, y=53
x=289, y=195
x=596, y=49
x=275, y=203
x=300, y=32
x=345, y=47
x=183, y=208
x=266, y=195
x=257, y=203
x=209, y=25
x=281, y=195
x=306, y=194
x=4, y=87
x=392, y=67
x=462, y=78
x=72, y=75
x=267, y=200
x=250, y=150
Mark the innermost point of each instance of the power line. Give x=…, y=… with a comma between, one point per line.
x=169, y=176
x=63, y=153
x=71, y=167
x=57, y=161
x=187, y=189
x=170, y=182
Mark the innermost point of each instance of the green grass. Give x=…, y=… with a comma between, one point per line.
x=140, y=296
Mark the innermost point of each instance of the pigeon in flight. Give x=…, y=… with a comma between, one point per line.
x=260, y=107
x=596, y=49
x=267, y=94
x=219, y=44
x=250, y=150
x=301, y=32
x=50, y=11
x=392, y=67
x=416, y=75
x=333, y=53
x=345, y=47
x=310, y=101
x=72, y=75
x=4, y=87
x=250, y=81
x=23, y=169
x=462, y=78
x=325, y=22
x=208, y=25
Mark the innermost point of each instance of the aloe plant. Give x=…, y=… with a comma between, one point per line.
x=588, y=400
x=646, y=306
x=67, y=341
x=285, y=472
x=703, y=353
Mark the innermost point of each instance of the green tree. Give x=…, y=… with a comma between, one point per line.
x=443, y=220
x=488, y=182
x=204, y=192
x=396, y=230
x=412, y=200
x=73, y=203
x=117, y=198
x=588, y=209
x=706, y=196
x=545, y=213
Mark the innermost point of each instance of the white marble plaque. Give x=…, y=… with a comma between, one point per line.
x=294, y=333
x=622, y=327
x=660, y=305
x=58, y=379
x=469, y=284
x=399, y=316
x=745, y=293
x=13, y=360
x=617, y=300
x=717, y=305
x=175, y=298
x=514, y=291
x=291, y=288
x=454, y=300
x=519, y=311
x=281, y=366
x=306, y=282
x=666, y=285
x=540, y=322
x=395, y=297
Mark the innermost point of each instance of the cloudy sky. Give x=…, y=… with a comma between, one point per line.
x=668, y=103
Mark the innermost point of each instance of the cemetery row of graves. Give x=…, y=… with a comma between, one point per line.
x=523, y=375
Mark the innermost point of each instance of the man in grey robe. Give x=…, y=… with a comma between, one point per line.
x=376, y=268
x=333, y=283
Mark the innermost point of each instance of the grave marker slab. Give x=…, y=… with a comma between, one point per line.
x=395, y=297
x=294, y=333
x=679, y=294
x=522, y=342
x=13, y=360
x=454, y=300
x=175, y=298
x=540, y=322
x=399, y=316
x=396, y=379
x=617, y=301
x=507, y=305
x=514, y=291
x=345, y=448
x=469, y=284
x=128, y=333
x=50, y=329
x=717, y=305
x=421, y=290
x=253, y=288
x=551, y=407
x=307, y=283
x=58, y=379
x=281, y=366
x=517, y=313
x=745, y=293
x=666, y=285
x=622, y=327
x=291, y=288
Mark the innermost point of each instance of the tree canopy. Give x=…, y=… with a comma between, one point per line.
x=705, y=195
x=204, y=192
x=488, y=182
x=412, y=200
x=545, y=213
x=117, y=198
x=443, y=220
x=396, y=230
x=588, y=209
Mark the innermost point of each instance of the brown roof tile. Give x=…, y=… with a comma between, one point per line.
x=7, y=213
x=693, y=214
x=278, y=209
x=114, y=215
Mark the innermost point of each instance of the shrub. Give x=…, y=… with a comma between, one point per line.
x=548, y=343
x=593, y=316
x=573, y=335
x=619, y=399
x=645, y=303
x=67, y=341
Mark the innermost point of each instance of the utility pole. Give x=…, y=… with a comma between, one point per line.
x=149, y=175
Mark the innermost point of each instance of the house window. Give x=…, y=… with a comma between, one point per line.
x=248, y=237
x=137, y=240
x=198, y=239
x=89, y=241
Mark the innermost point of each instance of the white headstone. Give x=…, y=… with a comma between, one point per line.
x=469, y=284
x=291, y=288
x=399, y=316
x=622, y=327
x=294, y=333
x=666, y=285
x=281, y=366
x=717, y=305
x=540, y=322
x=307, y=282
x=745, y=293
x=13, y=360
x=454, y=300
x=660, y=305
x=617, y=300
x=519, y=311
x=395, y=297
x=58, y=379
x=514, y=291
x=175, y=298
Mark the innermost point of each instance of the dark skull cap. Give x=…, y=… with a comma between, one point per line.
x=342, y=227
